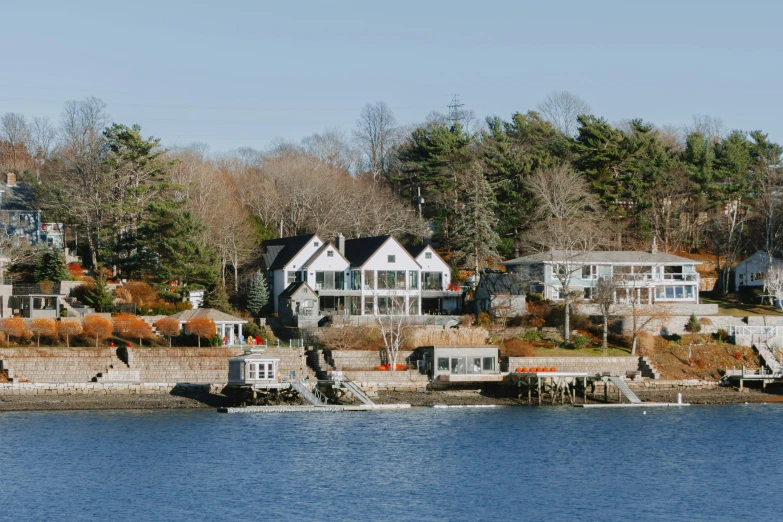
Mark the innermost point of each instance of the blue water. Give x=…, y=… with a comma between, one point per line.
x=697, y=463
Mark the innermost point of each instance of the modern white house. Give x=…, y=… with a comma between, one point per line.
x=227, y=326
x=362, y=276
x=643, y=277
x=752, y=270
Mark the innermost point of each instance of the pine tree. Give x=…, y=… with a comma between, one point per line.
x=51, y=266
x=258, y=296
x=475, y=237
x=217, y=298
x=99, y=296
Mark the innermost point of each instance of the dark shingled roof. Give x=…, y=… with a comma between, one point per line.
x=279, y=252
x=293, y=288
x=499, y=284
x=358, y=251
x=415, y=250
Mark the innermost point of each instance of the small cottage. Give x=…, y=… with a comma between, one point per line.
x=298, y=302
x=500, y=295
x=442, y=362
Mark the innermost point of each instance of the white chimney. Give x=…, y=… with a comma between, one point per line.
x=339, y=241
x=654, y=248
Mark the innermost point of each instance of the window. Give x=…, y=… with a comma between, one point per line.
x=489, y=364
x=356, y=280
x=330, y=253
x=330, y=280
x=413, y=280
x=674, y=292
x=589, y=272
x=369, y=280
x=292, y=277
x=391, y=259
x=443, y=364
x=368, y=306
x=307, y=303
x=756, y=276
x=427, y=255
x=432, y=281
x=316, y=244
x=413, y=305
x=476, y=368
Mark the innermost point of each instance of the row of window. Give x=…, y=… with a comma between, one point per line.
x=465, y=365
x=587, y=272
x=381, y=279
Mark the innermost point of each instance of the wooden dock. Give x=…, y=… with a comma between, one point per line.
x=328, y=408
x=633, y=405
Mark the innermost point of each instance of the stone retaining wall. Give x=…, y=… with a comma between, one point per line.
x=591, y=365
x=106, y=388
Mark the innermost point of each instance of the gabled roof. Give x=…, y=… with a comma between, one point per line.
x=320, y=251
x=293, y=288
x=628, y=257
x=210, y=313
x=417, y=250
x=499, y=284
x=359, y=251
x=279, y=252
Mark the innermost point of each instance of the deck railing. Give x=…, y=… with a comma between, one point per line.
x=760, y=331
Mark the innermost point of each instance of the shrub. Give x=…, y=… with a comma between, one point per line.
x=45, y=326
x=97, y=326
x=345, y=337
x=534, y=298
x=69, y=328
x=693, y=326
x=721, y=335
x=705, y=321
x=468, y=336
x=76, y=271
x=580, y=341
x=13, y=327
x=518, y=348
x=46, y=287
x=140, y=293
x=167, y=327
x=483, y=319
x=737, y=354
x=466, y=320
x=535, y=322
x=533, y=336
x=201, y=327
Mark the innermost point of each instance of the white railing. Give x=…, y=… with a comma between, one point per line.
x=761, y=331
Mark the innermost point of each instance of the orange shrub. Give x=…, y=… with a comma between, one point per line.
x=45, y=326
x=97, y=326
x=123, y=324
x=518, y=348
x=13, y=327
x=140, y=292
x=200, y=327
x=140, y=329
x=68, y=328
x=168, y=327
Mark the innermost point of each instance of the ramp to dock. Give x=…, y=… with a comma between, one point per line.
x=357, y=392
x=768, y=357
x=625, y=389
x=306, y=394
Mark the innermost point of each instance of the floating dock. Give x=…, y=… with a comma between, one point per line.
x=326, y=408
x=633, y=405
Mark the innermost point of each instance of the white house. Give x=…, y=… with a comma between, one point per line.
x=752, y=270
x=360, y=276
x=644, y=277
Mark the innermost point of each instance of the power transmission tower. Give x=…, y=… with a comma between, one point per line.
x=454, y=110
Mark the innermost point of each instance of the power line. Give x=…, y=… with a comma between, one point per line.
x=454, y=110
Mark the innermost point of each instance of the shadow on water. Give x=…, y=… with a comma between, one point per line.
x=201, y=394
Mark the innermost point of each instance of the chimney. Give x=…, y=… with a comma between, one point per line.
x=10, y=179
x=516, y=252
x=339, y=241
x=654, y=247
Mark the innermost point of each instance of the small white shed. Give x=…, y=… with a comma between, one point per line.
x=252, y=367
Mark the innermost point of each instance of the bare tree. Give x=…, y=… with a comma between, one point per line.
x=376, y=135
x=43, y=135
x=390, y=316
x=332, y=148
x=14, y=137
x=604, y=295
x=773, y=282
x=568, y=226
x=562, y=109
x=711, y=127
x=727, y=233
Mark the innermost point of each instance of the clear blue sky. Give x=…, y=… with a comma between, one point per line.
x=234, y=74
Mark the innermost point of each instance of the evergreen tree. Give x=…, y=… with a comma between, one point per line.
x=50, y=266
x=258, y=296
x=99, y=296
x=475, y=236
x=169, y=247
x=217, y=298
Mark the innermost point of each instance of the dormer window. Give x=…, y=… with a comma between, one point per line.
x=330, y=253
x=391, y=259
x=427, y=255
x=316, y=244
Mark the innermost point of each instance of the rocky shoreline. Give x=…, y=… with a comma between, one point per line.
x=417, y=399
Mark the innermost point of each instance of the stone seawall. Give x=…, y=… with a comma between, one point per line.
x=107, y=388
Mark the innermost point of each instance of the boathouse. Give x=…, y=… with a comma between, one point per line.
x=450, y=363
x=253, y=368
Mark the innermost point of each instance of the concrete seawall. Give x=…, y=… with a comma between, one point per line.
x=106, y=388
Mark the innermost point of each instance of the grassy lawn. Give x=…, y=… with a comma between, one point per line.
x=734, y=306
x=594, y=351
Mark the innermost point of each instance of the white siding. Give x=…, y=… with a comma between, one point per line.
x=435, y=264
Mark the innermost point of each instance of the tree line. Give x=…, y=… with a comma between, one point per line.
x=140, y=211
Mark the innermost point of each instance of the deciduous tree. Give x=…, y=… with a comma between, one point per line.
x=168, y=327
x=13, y=327
x=201, y=327
x=69, y=328
x=97, y=326
x=45, y=326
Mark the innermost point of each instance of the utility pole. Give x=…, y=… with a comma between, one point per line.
x=454, y=110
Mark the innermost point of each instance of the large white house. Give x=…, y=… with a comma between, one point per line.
x=361, y=276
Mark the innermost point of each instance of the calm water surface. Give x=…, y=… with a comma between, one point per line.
x=698, y=463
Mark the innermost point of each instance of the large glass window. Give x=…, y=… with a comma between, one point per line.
x=413, y=305
x=330, y=280
x=369, y=280
x=356, y=280
x=489, y=364
x=368, y=306
x=589, y=272
x=292, y=277
x=432, y=281
x=413, y=280
x=443, y=364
